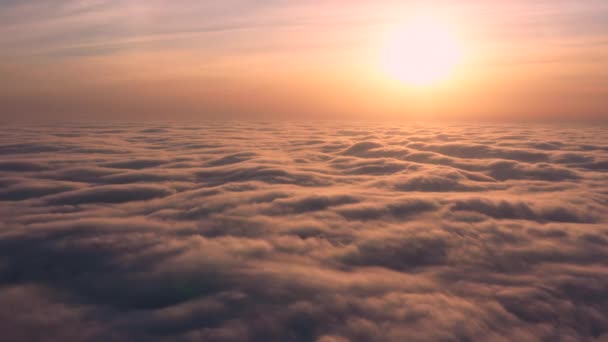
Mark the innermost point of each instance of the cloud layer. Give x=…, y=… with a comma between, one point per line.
x=303, y=232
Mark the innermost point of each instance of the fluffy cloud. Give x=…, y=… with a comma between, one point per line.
x=286, y=232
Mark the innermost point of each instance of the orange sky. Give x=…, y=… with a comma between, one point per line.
x=107, y=60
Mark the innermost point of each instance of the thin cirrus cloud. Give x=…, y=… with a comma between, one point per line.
x=85, y=25
x=348, y=232
x=217, y=59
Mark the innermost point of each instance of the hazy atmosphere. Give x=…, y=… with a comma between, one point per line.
x=295, y=171
x=121, y=60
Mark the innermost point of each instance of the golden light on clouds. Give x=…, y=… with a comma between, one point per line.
x=317, y=170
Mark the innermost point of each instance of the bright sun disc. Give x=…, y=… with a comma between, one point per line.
x=422, y=52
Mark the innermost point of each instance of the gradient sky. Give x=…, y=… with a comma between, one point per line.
x=135, y=59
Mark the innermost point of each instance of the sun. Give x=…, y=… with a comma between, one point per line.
x=422, y=52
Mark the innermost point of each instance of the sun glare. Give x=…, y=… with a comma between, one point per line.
x=422, y=52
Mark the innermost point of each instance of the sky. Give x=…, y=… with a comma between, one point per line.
x=156, y=60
